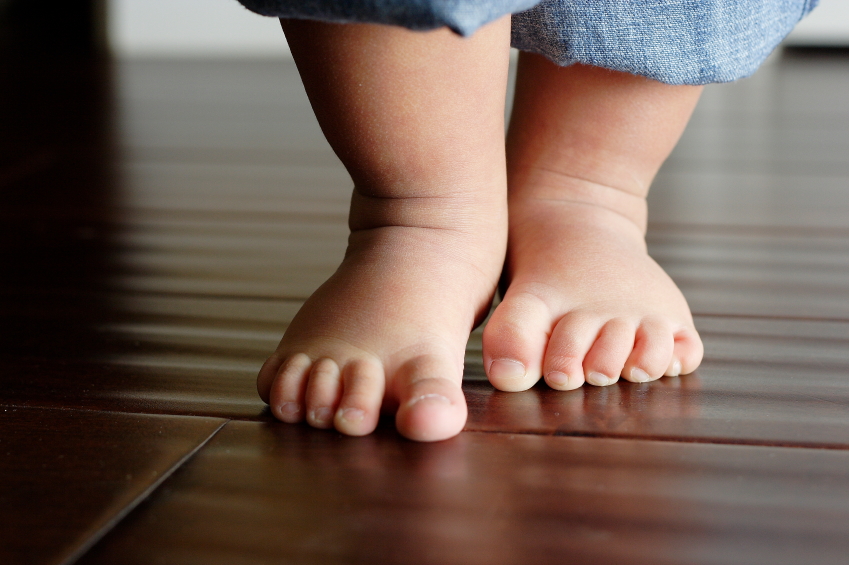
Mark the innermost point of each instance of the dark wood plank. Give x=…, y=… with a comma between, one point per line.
x=727, y=198
x=768, y=145
x=149, y=354
x=759, y=272
x=250, y=106
x=284, y=188
x=260, y=493
x=68, y=476
x=272, y=256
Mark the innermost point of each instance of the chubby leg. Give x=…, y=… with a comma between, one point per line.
x=585, y=302
x=417, y=119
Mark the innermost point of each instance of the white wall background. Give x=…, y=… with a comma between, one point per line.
x=223, y=28
x=187, y=28
x=827, y=25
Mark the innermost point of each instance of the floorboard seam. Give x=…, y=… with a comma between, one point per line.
x=769, y=317
x=802, y=232
x=114, y=411
x=141, y=412
x=703, y=440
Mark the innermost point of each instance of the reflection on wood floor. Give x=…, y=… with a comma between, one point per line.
x=161, y=223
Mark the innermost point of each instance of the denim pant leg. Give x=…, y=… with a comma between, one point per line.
x=672, y=41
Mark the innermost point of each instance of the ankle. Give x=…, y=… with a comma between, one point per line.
x=592, y=200
x=473, y=211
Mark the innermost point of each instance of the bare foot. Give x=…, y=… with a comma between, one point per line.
x=417, y=118
x=388, y=330
x=585, y=303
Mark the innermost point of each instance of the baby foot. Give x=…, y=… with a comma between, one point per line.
x=585, y=301
x=388, y=330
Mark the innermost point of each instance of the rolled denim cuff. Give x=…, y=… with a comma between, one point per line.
x=462, y=16
x=673, y=41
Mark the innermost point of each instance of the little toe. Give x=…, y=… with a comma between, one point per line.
x=606, y=358
x=572, y=337
x=687, y=353
x=322, y=394
x=286, y=394
x=432, y=405
x=363, y=385
x=514, y=342
x=652, y=352
x=266, y=376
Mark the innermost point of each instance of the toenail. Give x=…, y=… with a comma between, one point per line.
x=639, y=376
x=557, y=378
x=352, y=415
x=676, y=369
x=506, y=369
x=290, y=410
x=322, y=415
x=599, y=379
x=432, y=396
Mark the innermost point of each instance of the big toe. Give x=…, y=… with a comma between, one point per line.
x=432, y=406
x=514, y=342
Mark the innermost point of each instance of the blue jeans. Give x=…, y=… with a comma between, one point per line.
x=672, y=41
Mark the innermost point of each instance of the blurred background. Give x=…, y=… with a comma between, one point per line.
x=223, y=28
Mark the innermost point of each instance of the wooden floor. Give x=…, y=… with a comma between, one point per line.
x=162, y=221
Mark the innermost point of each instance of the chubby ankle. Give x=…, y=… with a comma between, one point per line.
x=464, y=212
x=589, y=199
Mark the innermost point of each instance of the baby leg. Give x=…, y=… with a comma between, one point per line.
x=585, y=302
x=417, y=120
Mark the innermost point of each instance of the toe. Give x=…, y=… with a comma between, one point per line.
x=362, y=393
x=286, y=393
x=572, y=337
x=687, y=353
x=652, y=353
x=432, y=406
x=606, y=358
x=514, y=342
x=322, y=393
x=266, y=376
